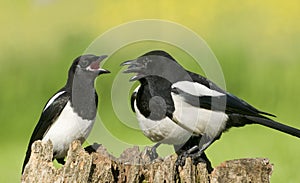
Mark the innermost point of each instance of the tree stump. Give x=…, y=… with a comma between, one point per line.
x=135, y=166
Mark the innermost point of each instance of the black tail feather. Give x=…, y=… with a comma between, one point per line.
x=275, y=125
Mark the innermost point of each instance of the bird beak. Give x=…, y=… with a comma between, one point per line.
x=133, y=67
x=103, y=71
x=95, y=65
x=102, y=57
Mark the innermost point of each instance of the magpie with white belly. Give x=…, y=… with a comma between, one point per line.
x=70, y=113
x=178, y=107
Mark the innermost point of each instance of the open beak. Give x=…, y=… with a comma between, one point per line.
x=103, y=71
x=133, y=67
x=95, y=65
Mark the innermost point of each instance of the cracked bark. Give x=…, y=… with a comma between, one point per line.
x=134, y=166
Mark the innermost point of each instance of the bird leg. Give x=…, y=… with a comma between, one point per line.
x=196, y=152
x=197, y=157
x=152, y=152
x=206, y=141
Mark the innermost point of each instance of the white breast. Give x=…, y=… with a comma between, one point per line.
x=164, y=131
x=67, y=128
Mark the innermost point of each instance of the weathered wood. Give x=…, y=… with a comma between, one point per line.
x=135, y=166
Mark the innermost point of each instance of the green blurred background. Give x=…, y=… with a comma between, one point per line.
x=257, y=45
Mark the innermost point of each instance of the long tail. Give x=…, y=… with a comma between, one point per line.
x=275, y=125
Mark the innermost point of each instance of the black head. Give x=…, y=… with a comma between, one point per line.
x=88, y=64
x=87, y=67
x=155, y=63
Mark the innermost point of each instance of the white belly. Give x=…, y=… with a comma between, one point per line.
x=200, y=121
x=164, y=131
x=67, y=128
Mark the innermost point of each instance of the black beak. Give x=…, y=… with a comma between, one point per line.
x=133, y=67
x=101, y=70
x=102, y=57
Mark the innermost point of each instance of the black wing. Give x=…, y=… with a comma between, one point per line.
x=226, y=102
x=48, y=117
x=239, y=112
x=206, y=82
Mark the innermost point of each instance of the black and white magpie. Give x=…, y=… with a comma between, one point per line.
x=70, y=113
x=179, y=107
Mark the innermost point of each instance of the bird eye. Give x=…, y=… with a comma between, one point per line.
x=84, y=63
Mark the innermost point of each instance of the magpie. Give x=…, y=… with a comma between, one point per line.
x=70, y=113
x=178, y=107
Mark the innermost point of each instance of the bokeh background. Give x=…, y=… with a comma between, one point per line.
x=256, y=43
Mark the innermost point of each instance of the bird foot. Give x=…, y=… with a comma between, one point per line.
x=196, y=158
x=151, y=152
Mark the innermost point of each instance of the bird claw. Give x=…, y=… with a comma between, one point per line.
x=197, y=157
x=180, y=161
x=152, y=153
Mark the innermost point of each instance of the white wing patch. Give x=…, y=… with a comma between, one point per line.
x=201, y=121
x=196, y=89
x=53, y=98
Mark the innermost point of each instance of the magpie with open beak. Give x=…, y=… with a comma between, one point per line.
x=182, y=108
x=70, y=113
